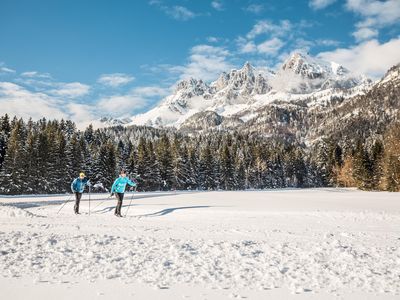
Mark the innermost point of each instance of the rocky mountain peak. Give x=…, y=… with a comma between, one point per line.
x=312, y=68
x=244, y=81
x=191, y=87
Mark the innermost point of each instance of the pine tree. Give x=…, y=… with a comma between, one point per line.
x=61, y=168
x=153, y=169
x=12, y=179
x=179, y=166
x=376, y=164
x=193, y=168
x=106, y=165
x=206, y=179
x=5, y=130
x=362, y=168
x=164, y=159
x=74, y=157
x=227, y=169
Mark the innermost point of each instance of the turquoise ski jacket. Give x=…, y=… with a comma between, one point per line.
x=78, y=185
x=120, y=184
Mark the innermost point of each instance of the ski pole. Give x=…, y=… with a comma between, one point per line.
x=62, y=206
x=89, y=200
x=101, y=202
x=130, y=201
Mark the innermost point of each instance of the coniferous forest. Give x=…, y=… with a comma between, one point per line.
x=38, y=157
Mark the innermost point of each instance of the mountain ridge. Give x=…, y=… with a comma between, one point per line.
x=248, y=97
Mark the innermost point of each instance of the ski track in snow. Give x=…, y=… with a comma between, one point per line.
x=222, y=240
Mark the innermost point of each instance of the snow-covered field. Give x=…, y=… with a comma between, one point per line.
x=300, y=244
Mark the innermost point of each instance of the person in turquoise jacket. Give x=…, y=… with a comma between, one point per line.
x=77, y=187
x=118, y=188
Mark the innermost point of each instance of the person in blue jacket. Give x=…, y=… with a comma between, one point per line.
x=118, y=188
x=77, y=187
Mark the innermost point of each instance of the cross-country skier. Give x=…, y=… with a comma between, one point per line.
x=77, y=187
x=118, y=188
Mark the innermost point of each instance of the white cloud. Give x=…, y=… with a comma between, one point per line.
x=180, y=13
x=270, y=47
x=370, y=58
x=212, y=39
x=301, y=44
x=151, y=91
x=82, y=114
x=255, y=8
x=124, y=105
x=381, y=12
x=6, y=70
x=217, y=5
x=39, y=95
x=375, y=15
x=205, y=62
x=246, y=46
x=365, y=33
x=16, y=100
x=274, y=31
x=35, y=74
x=120, y=105
x=70, y=90
x=327, y=42
x=267, y=27
x=176, y=12
x=320, y=4
x=115, y=79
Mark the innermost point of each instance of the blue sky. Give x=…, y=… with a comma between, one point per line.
x=85, y=59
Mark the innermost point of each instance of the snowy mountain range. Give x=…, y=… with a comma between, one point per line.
x=248, y=96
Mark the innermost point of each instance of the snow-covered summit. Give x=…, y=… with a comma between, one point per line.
x=316, y=74
x=313, y=68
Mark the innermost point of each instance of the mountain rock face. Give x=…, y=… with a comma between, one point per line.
x=109, y=121
x=295, y=101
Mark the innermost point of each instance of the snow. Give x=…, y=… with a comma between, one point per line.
x=290, y=243
x=391, y=76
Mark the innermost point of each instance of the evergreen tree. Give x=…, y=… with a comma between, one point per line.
x=179, y=166
x=164, y=158
x=362, y=168
x=5, y=130
x=12, y=176
x=153, y=169
x=376, y=164
x=227, y=169
x=74, y=157
x=106, y=165
x=206, y=179
x=193, y=168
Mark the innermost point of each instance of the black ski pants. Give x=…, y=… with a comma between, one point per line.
x=78, y=197
x=120, y=198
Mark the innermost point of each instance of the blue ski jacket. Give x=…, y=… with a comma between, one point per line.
x=78, y=185
x=120, y=184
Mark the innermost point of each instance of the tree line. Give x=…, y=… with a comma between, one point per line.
x=44, y=156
